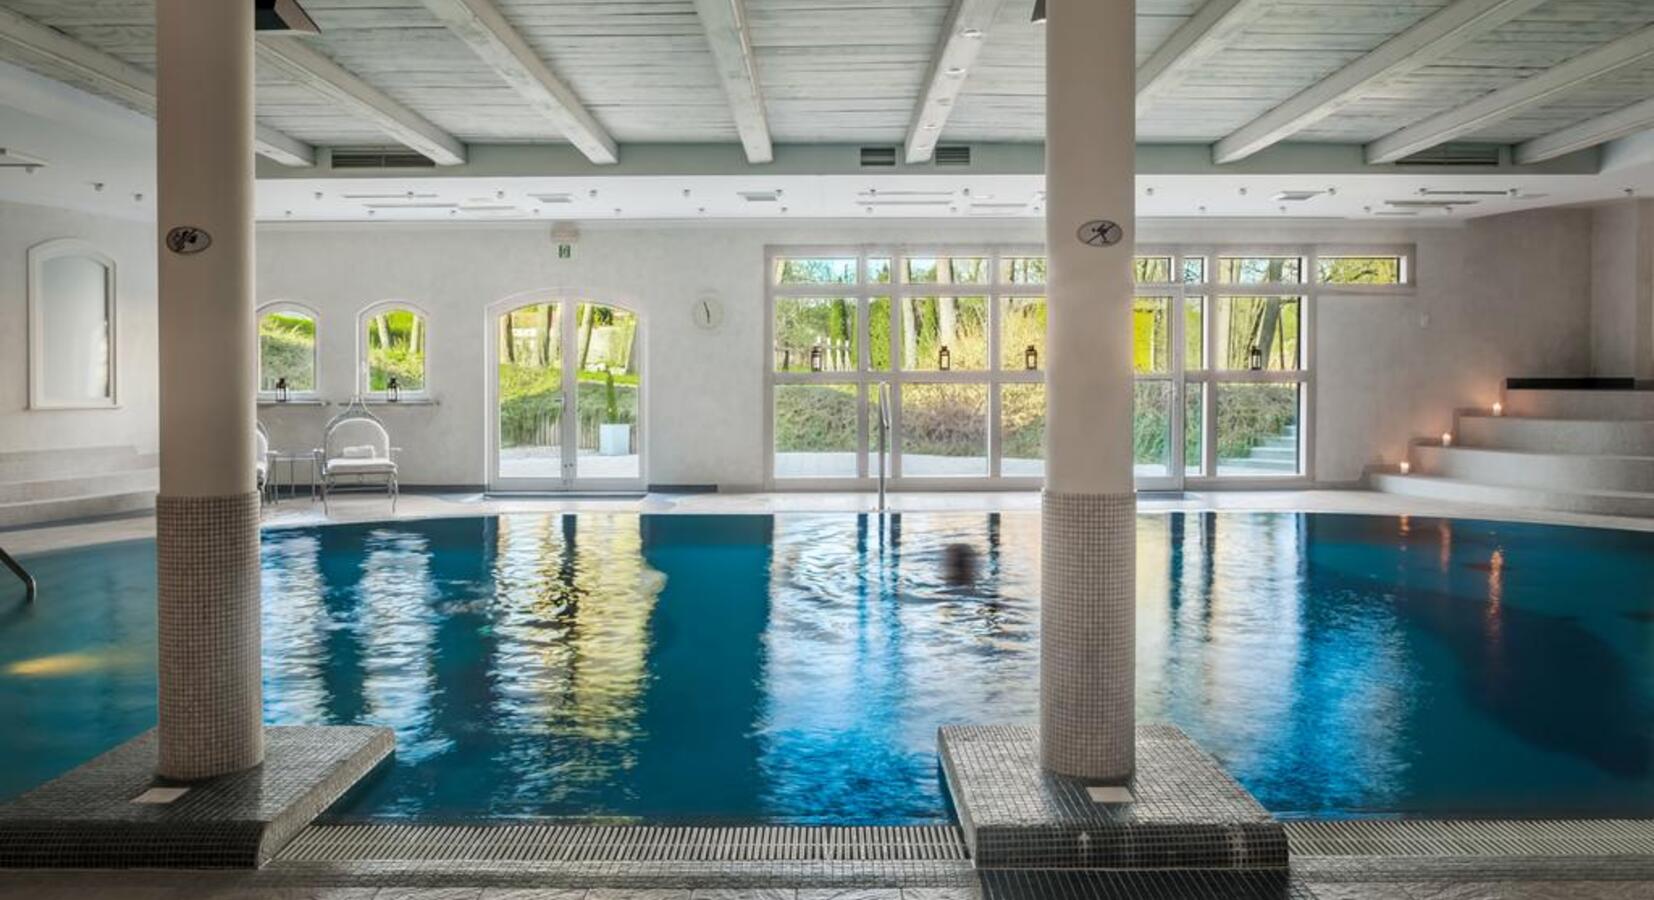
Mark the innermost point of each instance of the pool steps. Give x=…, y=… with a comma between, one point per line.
x=39, y=486
x=1579, y=451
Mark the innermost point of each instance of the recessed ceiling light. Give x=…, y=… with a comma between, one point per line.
x=930, y=126
x=956, y=71
x=972, y=33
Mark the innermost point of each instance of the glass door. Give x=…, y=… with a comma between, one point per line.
x=1162, y=411
x=566, y=398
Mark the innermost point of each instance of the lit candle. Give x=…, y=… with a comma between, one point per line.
x=1406, y=467
x=1498, y=408
x=1447, y=439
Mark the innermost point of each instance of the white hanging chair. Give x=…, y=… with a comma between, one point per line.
x=261, y=460
x=356, y=452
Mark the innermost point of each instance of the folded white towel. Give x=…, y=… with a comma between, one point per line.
x=365, y=451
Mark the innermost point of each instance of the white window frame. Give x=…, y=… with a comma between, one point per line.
x=1183, y=376
x=289, y=306
x=38, y=256
x=424, y=394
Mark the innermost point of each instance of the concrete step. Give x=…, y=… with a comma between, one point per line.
x=1287, y=452
x=1610, y=503
x=34, y=512
x=1544, y=471
x=1598, y=405
x=1253, y=465
x=117, y=482
x=1613, y=437
x=47, y=465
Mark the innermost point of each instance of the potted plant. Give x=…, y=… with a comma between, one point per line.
x=614, y=437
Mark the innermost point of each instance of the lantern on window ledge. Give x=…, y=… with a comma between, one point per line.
x=1255, y=358
x=1030, y=358
x=393, y=391
x=1447, y=439
x=816, y=358
x=944, y=359
x=281, y=390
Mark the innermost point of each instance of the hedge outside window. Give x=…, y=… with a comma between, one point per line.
x=286, y=349
x=394, y=346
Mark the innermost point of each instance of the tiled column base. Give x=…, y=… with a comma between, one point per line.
x=1087, y=635
x=208, y=622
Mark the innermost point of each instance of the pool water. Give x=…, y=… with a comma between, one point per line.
x=795, y=668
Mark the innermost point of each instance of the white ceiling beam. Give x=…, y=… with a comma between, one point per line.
x=1443, y=32
x=65, y=59
x=963, y=34
x=298, y=61
x=1200, y=37
x=1590, y=133
x=725, y=23
x=481, y=25
x=1634, y=48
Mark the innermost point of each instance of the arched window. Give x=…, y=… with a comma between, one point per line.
x=393, y=338
x=287, y=349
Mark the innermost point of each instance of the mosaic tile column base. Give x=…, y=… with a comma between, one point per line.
x=210, y=695
x=1087, y=635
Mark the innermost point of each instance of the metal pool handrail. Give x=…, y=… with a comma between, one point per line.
x=884, y=434
x=22, y=573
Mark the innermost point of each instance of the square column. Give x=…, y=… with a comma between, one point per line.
x=1089, y=544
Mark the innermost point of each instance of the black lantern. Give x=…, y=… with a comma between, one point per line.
x=815, y=358
x=944, y=359
x=1256, y=357
x=281, y=390
x=393, y=390
x=1030, y=358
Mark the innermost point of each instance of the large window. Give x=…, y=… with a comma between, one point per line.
x=1221, y=352
x=286, y=351
x=394, y=340
x=959, y=337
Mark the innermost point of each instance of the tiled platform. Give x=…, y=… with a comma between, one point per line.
x=1187, y=813
x=86, y=819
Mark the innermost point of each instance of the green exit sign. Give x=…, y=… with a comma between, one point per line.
x=565, y=251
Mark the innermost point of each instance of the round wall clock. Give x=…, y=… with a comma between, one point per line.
x=708, y=313
x=1101, y=233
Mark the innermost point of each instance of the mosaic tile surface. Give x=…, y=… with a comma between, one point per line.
x=1188, y=812
x=85, y=819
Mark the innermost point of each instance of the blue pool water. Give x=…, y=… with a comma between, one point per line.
x=795, y=668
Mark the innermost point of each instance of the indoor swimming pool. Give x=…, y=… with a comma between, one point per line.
x=795, y=668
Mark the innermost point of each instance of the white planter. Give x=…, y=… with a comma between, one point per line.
x=614, y=440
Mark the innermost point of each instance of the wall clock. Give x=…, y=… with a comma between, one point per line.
x=708, y=313
x=1101, y=233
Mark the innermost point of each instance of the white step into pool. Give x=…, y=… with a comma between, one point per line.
x=40, y=486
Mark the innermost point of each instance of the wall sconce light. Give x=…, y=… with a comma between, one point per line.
x=1498, y=408
x=281, y=390
x=816, y=358
x=1255, y=358
x=393, y=390
x=1030, y=358
x=944, y=359
x=1406, y=467
x=1447, y=439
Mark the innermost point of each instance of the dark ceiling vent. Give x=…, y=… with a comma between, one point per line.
x=282, y=17
x=1457, y=155
x=878, y=157
x=381, y=159
x=953, y=155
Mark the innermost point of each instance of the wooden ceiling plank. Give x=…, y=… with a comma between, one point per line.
x=67, y=59
x=963, y=33
x=726, y=29
x=1590, y=133
x=1212, y=28
x=1426, y=42
x=481, y=25
x=1634, y=48
x=307, y=66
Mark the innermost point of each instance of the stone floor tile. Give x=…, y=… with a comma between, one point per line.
x=534, y=894
x=1367, y=890
x=941, y=893
x=850, y=894
x=638, y=894
x=744, y=894
x=422, y=893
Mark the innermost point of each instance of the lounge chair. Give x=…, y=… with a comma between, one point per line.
x=356, y=452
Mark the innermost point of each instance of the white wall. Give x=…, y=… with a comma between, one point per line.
x=132, y=246
x=1622, y=292
x=1496, y=297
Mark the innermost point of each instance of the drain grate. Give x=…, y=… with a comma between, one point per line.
x=1432, y=838
x=623, y=843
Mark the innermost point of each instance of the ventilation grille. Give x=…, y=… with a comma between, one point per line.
x=1457, y=155
x=878, y=157
x=954, y=155
x=381, y=159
